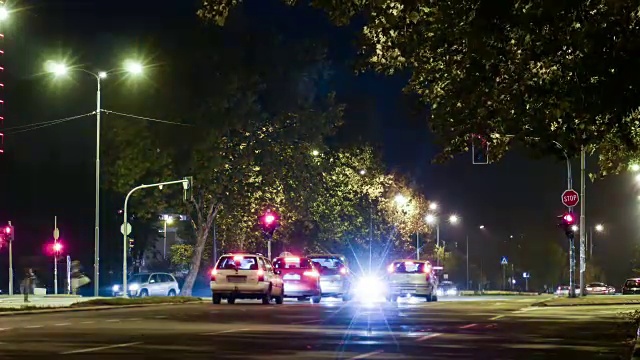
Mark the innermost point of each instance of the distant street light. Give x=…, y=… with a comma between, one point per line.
x=430, y=219
x=168, y=220
x=401, y=200
x=635, y=167
x=315, y=152
x=433, y=206
x=363, y=171
x=60, y=69
x=638, y=178
x=574, y=228
x=4, y=13
x=599, y=228
x=454, y=219
x=481, y=226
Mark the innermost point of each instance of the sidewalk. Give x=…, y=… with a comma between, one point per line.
x=592, y=300
x=17, y=301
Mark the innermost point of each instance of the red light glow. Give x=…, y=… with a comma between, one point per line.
x=269, y=219
x=7, y=230
x=568, y=218
x=57, y=247
x=343, y=271
x=312, y=273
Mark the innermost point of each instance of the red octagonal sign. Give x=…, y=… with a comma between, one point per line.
x=570, y=198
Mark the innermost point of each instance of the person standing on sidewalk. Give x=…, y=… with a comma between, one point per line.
x=27, y=283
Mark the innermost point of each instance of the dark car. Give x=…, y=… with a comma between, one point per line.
x=301, y=279
x=631, y=286
x=335, y=277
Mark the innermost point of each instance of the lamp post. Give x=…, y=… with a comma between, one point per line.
x=599, y=228
x=167, y=220
x=60, y=69
x=432, y=219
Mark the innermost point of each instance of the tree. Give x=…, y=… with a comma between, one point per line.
x=504, y=72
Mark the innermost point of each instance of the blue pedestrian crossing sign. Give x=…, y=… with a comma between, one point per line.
x=504, y=261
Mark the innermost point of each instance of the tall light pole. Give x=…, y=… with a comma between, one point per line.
x=599, y=228
x=432, y=219
x=60, y=69
x=167, y=220
x=4, y=15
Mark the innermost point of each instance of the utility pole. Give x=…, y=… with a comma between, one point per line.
x=504, y=277
x=583, y=252
x=11, y=259
x=467, y=287
x=56, y=236
x=438, y=244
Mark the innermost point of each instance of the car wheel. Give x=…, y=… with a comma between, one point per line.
x=434, y=298
x=172, y=293
x=216, y=299
x=266, y=298
x=316, y=299
x=280, y=299
x=144, y=293
x=429, y=298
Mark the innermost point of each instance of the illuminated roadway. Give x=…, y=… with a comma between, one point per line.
x=485, y=329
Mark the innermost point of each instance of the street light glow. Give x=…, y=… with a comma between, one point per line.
x=599, y=227
x=574, y=228
x=454, y=219
x=401, y=200
x=57, y=68
x=102, y=74
x=4, y=13
x=638, y=178
x=363, y=171
x=133, y=67
x=481, y=226
x=430, y=219
x=635, y=167
x=315, y=153
x=433, y=206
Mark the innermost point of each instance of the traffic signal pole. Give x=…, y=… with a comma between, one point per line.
x=10, y=263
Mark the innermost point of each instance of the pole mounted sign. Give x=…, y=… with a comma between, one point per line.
x=570, y=198
x=504, y=261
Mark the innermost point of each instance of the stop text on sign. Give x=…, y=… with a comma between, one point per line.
x=570, y=198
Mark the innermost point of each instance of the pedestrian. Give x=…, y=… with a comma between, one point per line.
x=27, y=283
x=78, y=279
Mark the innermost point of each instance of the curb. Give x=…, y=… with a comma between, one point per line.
x=635, y=354
x=544, y=304
x=51, y=310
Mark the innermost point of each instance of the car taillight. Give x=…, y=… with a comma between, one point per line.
x=214, y=272
x=260, y=275
x=312, y=273
x=343, y=271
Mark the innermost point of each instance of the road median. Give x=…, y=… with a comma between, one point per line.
x=496, y=293
x=99, y=304
x=593, y=300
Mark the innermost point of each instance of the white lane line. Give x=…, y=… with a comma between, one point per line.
x=497, y=317
x=427, y=337
x=364, y=356
x=305, y=322
x=5, y=329
x=87, y=322
x=100, y=348
x=113, y=320
x=160, y=317
x=63, y=324
x=134, y=319
x=33, y=326
x=468, y=326
x=225, y=331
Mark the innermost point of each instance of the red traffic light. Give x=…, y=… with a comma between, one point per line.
x=269, y=219
x=568, y=219
x=57, y=247
x=7, y=230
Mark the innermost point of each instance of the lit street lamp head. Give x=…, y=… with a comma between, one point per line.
x=362, y=172
x=133, y=67
x=599, y=228
x=433, y=206
x=315, y=152
x=430, y=219
x=57, y=68
x=4, y=13
x=102, y=74
x=574, y=228
x=481, y=226
x=454, y=219
x=401, y=199
x=635, y=167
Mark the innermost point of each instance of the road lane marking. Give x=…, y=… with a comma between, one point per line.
x=33, y=326
x=113, y=320
x=160, y=317
x=364, y=356
x=5, y=329
x=87, y=322
x=305, y=322
x=63, y=324
x=134, y=319
x=497, y=317
x=468, y=326
x=225, y=331
x=100, y=348
x=427, y=337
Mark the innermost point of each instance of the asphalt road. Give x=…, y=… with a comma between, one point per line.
x=484, y=329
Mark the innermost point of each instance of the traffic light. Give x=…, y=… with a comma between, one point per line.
x=269, y=222
x=130, y=244
x=567, y=223
x=9, y=233
x=57, y=248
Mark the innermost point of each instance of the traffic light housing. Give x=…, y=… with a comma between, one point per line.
x=567, y=222
x=9, y=233
x=269, y=222
x=131, y=243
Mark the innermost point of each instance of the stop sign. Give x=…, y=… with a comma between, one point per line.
x=570, y=198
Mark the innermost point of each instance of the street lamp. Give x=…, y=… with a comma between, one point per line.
x=401, y=200
x=635, y=167
x=60, y=69
x=433, y=220
x=481, y=227
x=454, y=219
x=598, y=228
x=168, y=220
x=4, y=13
x=315, y=152
x=433, y=206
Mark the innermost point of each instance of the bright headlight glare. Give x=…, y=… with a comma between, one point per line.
x=115, y=287
x=369, y=286
x=134, y=287
x=451, y=292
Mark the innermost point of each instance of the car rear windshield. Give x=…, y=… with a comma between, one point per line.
x=292, y=264
x=408, y=267
x=238, y=262
x=632, y=283
x=328, y=265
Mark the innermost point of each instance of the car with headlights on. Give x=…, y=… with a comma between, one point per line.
x=447, y=288
x=335, y=277
x=598, y=288
x=301, y=279
x=245, y=276
x=411, y=278
x=631, y=286
x=149, y=284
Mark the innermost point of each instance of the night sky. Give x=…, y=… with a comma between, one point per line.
x=49, y=171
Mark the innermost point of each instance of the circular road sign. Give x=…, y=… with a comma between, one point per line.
x=570, y=198
x=125, y=228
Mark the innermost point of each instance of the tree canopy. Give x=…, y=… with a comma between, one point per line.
x=523, y=72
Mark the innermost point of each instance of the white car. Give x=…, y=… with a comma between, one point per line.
x=412, y=278
x=245, y=276
x=149, y=284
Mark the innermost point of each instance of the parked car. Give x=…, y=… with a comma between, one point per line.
x=447, y=288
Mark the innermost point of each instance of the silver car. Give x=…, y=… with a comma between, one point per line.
x=335, y=277
x=411, y=278
x=150, y=284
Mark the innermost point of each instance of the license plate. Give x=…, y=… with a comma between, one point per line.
x=237, y=279
x=291, y=277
